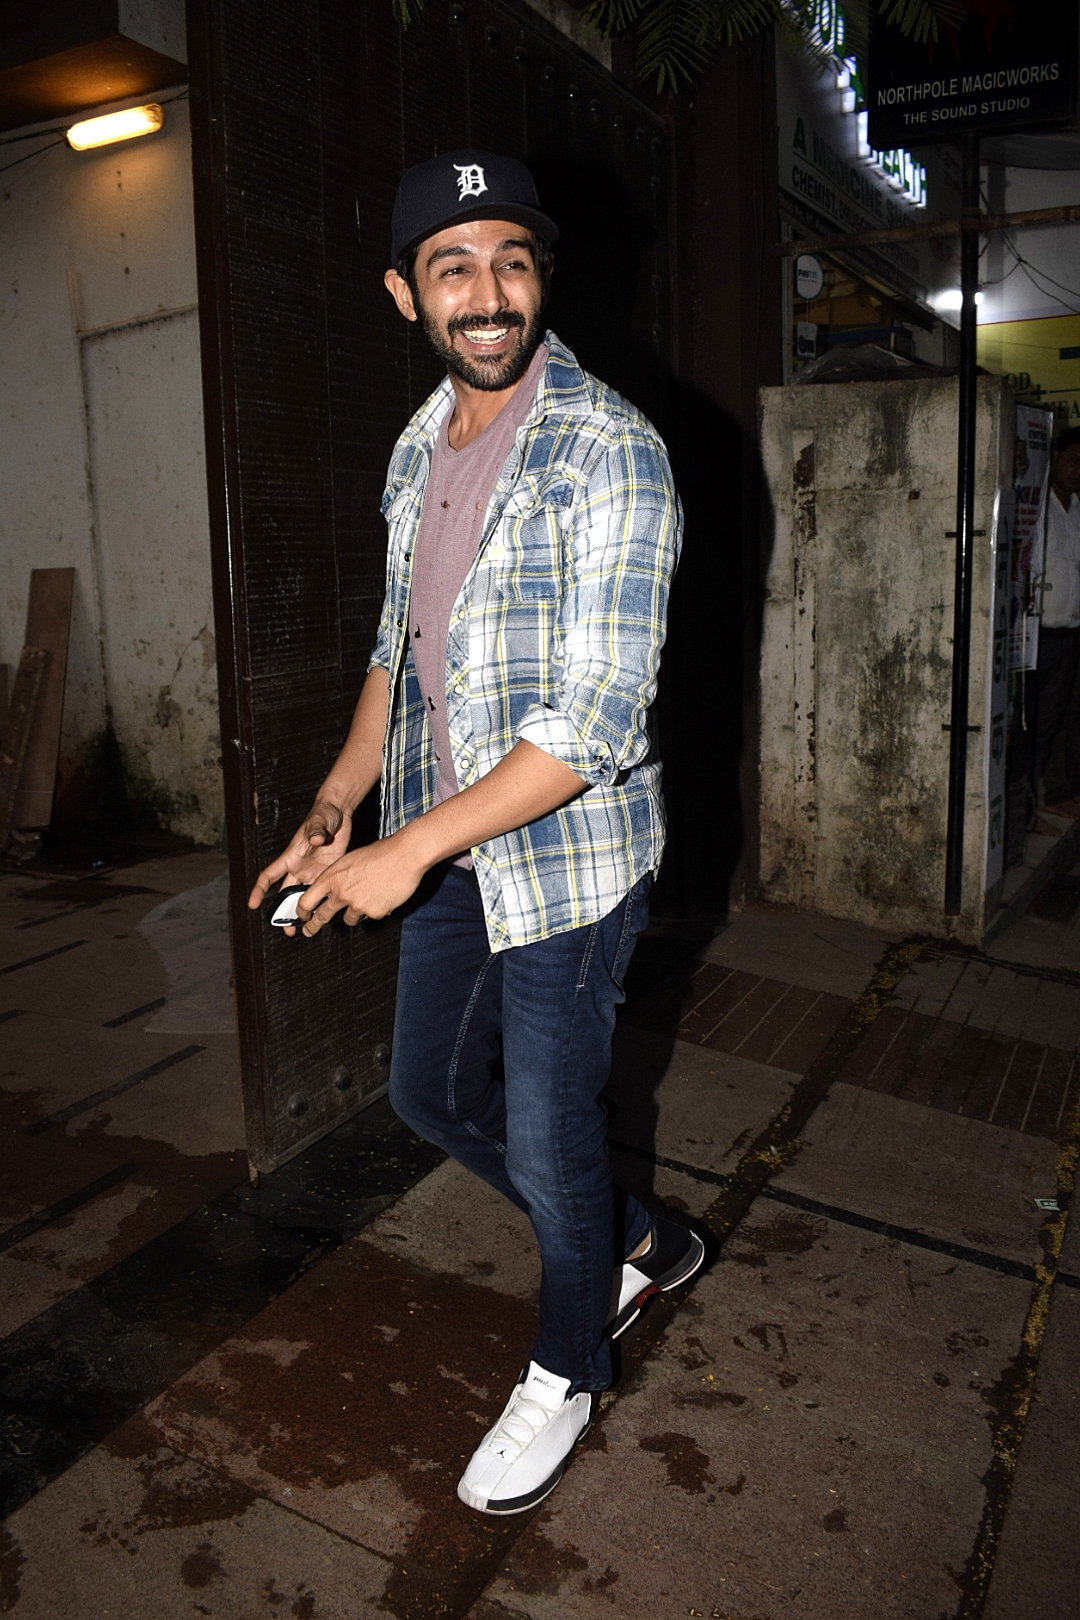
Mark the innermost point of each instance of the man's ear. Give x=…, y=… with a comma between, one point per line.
x=401, y=293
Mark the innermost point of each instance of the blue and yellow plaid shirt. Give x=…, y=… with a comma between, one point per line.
x=555, y=637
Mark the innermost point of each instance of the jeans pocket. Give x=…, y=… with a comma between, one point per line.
x=635, y=916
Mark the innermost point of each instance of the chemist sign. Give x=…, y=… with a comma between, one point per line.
x=1002, y=67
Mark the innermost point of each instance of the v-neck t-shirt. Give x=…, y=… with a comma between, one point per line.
x=459, y=489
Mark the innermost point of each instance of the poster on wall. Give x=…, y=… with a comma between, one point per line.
x=1031, y=483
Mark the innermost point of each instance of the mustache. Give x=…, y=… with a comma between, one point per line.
x=462, y=323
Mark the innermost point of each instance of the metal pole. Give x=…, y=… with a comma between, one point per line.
x=965, y=520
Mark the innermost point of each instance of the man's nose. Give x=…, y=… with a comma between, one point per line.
x=489, y=289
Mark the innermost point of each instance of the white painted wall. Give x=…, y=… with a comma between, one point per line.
x=101, y=460
x=1010, y=293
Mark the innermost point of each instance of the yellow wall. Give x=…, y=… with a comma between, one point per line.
x=1029, y=354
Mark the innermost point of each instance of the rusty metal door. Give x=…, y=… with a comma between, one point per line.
x=304, y=113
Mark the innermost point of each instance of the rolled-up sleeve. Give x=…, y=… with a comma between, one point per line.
x=621, y=544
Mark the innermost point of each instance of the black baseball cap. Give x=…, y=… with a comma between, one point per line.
x=466, y=184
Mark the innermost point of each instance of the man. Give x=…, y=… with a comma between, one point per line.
x=1059, y=635
x=533, y=530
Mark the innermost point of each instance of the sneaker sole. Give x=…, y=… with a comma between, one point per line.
x=666, y=1281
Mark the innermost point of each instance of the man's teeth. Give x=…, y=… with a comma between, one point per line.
x=487, y=334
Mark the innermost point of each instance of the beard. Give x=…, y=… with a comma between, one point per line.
x=488, y=375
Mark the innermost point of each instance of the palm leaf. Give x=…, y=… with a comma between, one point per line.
x=736, y=20
x=403, y=10
x=922, y=20
x=677, y=38
x=673, y=41
x=613, y=16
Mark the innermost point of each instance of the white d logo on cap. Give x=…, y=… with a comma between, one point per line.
x=471, y=180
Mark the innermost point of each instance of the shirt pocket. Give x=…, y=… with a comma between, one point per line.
x=400, y=506
x=526, y=557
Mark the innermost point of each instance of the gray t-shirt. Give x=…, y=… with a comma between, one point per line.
x=459, y=488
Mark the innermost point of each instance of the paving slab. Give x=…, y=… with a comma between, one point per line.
x=912, y=1166
x=989, y=995
x=807, y=1443
x=1070, y=1248
x=687, y=1102
x=50, y=1063
x=136, y=1530
x=171, y=874
x=78, y=1247
x=454, y=1223
x=356, y=1399
x=193, y=1106
x=1040, y=942
x=40, y=925
x=35, y=1174
x=102, y=978
x=827, y=954
x=1037, y=1565
x=189, y=932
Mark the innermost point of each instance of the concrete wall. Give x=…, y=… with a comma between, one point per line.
x=101, y=458
x=857, y=648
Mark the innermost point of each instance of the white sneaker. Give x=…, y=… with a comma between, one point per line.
x=522, y=1458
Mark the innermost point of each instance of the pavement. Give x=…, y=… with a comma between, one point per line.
x=249, y=1402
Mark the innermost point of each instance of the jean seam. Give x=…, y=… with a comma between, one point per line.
x=587, y=956
x=451, y=1073
x=627, y=923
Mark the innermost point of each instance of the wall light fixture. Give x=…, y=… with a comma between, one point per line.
x=117, y=126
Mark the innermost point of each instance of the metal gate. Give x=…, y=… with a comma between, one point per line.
x=304, y=114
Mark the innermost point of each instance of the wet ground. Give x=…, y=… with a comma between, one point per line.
x=244, y=1402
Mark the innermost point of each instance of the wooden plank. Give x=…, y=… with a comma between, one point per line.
x=48, y=623
x=17, y=731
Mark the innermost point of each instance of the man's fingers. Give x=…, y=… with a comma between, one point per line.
x=323, y=825
x=265, y=882
x=313, y=910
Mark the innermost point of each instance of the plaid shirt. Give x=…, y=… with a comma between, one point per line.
x=555, y=638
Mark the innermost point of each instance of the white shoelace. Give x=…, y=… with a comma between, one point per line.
x=519, y=1426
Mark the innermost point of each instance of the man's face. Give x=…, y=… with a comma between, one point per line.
x=479, y=298
x=1065, y=471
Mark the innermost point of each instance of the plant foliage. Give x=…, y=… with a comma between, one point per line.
x=676, y=39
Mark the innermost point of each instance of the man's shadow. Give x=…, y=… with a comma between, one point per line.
x=611, y=302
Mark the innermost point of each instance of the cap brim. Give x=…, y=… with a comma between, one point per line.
x=517, y=213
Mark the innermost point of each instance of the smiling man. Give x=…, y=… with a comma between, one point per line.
x=533, y=531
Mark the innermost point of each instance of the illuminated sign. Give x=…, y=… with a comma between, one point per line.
x=827, y=30
x=999, y=67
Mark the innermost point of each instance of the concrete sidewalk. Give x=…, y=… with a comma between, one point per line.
x=866, y=1408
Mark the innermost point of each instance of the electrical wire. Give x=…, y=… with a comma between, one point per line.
x=60, y=130
x=33, y=135
x=37, y=152
x=999, y=281
x=1032, y=271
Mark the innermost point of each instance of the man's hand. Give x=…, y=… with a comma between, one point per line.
x=317, y=844
x=367, y=882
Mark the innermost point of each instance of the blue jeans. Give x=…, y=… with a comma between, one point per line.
x=500, y=1059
